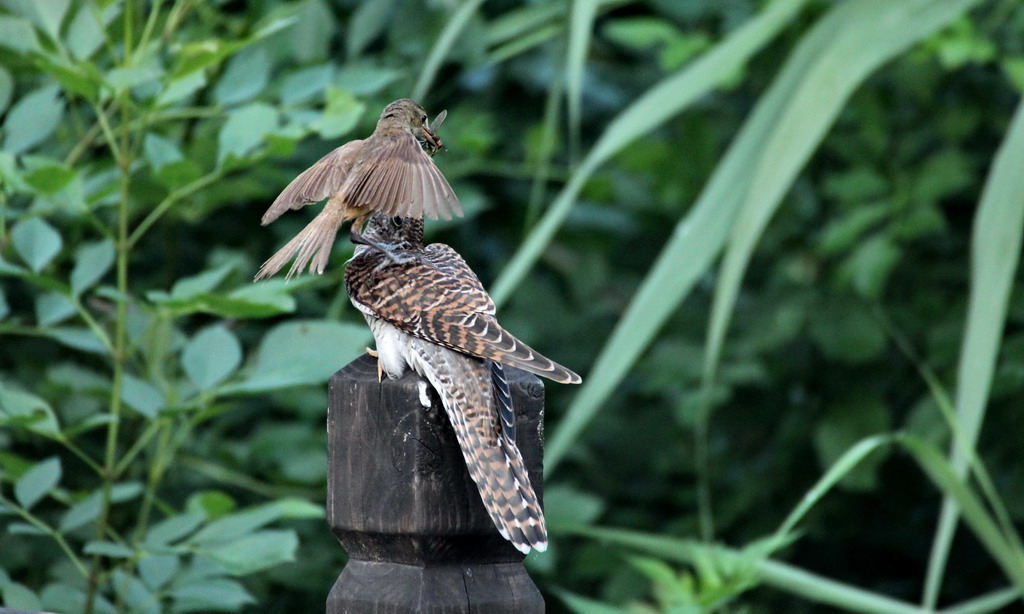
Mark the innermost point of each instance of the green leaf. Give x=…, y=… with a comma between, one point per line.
x=160, y=151
x=18, y=596
x=341, y=114
x=847, y=331
x=868, y=267
x=53, y=307
x=108, y=549
x=211, y=594
x=36, y=242
x=50, y=14
x=142, y=396
x=157, y=570
x=79, y=338
x=187, y=287
x=211, y=356
x=305, y=83
x=842, y=427
x=51, y=178
x=244, y=129
x=246, y=75
x=17, y=34
x=255, y=552
x=4, y=307
x=367, y=23
x=180, y=88
x=6, y=89
x=27, y=410
x=32, y=119
x=303, y=352
x=82, y=513
x=314, y=28
x=365, y=77
x=123, y=78
x=136, y=596
x=172, y=529
x=841, y=234
x=37, y=482
x=234, y=526
x=564, y=505
x=92, y=262
x=85, y=34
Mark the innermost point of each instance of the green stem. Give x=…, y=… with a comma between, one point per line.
x=140, y=443
x=91, y=322
x=168, y=202
x=53, y=533
x=702, y=465
x=123, y=251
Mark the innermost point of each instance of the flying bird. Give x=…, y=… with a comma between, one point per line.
x=389, y=172
x=429, y=312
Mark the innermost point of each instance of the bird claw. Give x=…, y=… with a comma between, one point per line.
x=389, y=251
x=380, y=365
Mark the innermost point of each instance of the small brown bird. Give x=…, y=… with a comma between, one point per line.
x=388, y=172
x=428, y=311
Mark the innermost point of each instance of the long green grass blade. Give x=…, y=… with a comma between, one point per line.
x=668, y=98
x=671, y=96
x=824, y=590
x=847, y=45
x=945, y=477
x=581, y=26
x=990, y=602
x=582, y=605
x=850, y=459
x=995, y=252
x=783, y=576
x=442, y=46
x=699, y=237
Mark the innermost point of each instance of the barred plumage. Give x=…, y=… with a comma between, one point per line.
x=428, y=311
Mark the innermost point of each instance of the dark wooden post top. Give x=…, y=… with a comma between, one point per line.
x=400, y=501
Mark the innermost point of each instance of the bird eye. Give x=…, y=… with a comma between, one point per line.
x=423, y=119
x=397, y=221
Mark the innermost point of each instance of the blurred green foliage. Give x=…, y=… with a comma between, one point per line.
x=161, y=417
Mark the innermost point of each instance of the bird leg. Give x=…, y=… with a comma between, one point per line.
x=380, y=366
x=389, y=251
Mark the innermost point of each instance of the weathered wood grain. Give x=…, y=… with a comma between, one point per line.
x=403, y=506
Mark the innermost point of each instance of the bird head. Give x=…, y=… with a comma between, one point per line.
x=394, y=230
x=405, y=114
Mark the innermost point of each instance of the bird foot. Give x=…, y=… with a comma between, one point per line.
x=388, y=250
x=380, y=365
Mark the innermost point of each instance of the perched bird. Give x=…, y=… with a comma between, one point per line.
x=388, y=172
x=428, y=311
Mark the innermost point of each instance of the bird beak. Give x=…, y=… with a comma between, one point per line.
x=430, y=137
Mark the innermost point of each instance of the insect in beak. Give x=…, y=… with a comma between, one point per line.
x=429, y=134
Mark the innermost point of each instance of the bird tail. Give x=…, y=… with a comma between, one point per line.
x=314, y=241
x=464, y=384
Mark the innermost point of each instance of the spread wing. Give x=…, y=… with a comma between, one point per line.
x=435, y=296
x=317, y=182
x=397, y=177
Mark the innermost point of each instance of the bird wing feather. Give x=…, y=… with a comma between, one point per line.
x=388, y=178
x=465, y=386
x=440, y=299
x=324, y=178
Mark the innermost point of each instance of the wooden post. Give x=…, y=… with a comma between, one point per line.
x=400, y=501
